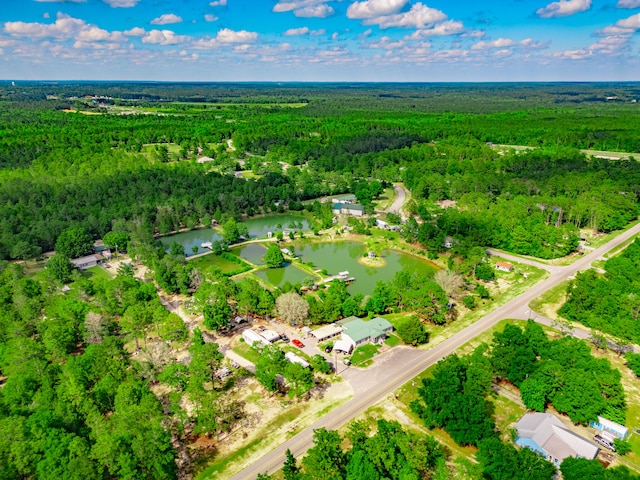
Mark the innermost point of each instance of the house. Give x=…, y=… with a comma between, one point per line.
x=293, y=358
x=610, y=430
x=371, y=254
x=205, y=159
x=270, y=335
x=89, y=261
x=546, y=434
x=327, y=332
x=252, y=337
x=382, y=224
x=341, y=208
x=504, y=266
x=358, y=332
x=449, y=242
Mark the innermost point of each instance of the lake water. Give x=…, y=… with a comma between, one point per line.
x=339, y=256
x=259, y=227
x=278, y=276
x=190, y=239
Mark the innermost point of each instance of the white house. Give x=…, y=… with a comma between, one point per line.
x=504, y=266
x=293, y=358
x=251, y=337
x=89, y=261
x=546, y=434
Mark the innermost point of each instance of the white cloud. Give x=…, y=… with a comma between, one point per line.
x=420, y=16
x=166, y=19
x=625, y=27
x=374, y=8
x=135, y=32
x=46, y=15
x=163, y=37
x=64, y=27
x=450, y=27
x=580, y=54
x=564, y=8
x=334, y=36
x=305, y=8
x=317, y=33
x=227, y=35
x=499, y=43
x=387, y=44
x=218, y=3
x=210, y=18
x=296, y=31
x=121, y=3
x=96, y=34
x=61, y=1
x=316, y=11
x=628, y=4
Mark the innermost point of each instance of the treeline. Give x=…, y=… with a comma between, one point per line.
x=608, y=302
x=560, y=373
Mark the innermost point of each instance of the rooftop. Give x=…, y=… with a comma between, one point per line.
x=358, y=329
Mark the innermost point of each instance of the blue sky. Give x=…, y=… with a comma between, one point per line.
x=320, y=40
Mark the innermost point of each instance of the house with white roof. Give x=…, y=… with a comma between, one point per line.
x=546, y=434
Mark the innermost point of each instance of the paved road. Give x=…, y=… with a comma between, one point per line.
x=524, y=261
x=401, y=196
x=403, y=367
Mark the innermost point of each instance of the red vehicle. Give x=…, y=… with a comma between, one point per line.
x=297, y=343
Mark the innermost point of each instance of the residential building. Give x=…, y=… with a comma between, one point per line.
x=89, y=261
x=609, y=429
x=504, y=266
x=546, y=434
x=358, y=332
x=348, y=209
x=327, y=332
x=252, y=337
x=293, y=358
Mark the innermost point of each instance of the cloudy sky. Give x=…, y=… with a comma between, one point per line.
x=320, y=40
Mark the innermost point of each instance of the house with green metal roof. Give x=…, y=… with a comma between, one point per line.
x=358, y=331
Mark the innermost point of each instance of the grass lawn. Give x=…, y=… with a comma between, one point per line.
x=386, y=199
x=216, y=261
x=96, y=273
x=362, y=355
x=506, y=414
x=393, y=340
x=550, y=301
x=245, y=351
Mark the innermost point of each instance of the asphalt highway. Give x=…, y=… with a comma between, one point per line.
x=299, y=444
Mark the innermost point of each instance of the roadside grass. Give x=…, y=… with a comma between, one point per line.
x=600, y=240
x=517, y=286
x=296, y=418
x=617, y=251
x=550, y=301
x=386, y=199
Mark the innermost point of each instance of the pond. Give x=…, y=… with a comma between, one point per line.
x=190, y=239
x=278, y=276
x=339, y=256
x=252, y=253
x=259, y=227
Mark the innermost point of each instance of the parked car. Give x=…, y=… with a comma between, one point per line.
x=297, y=343
x=347, y=362
x=328, y=348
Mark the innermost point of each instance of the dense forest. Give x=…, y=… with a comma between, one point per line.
x=119, y=162
x=62, y=169
x=608, y=302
